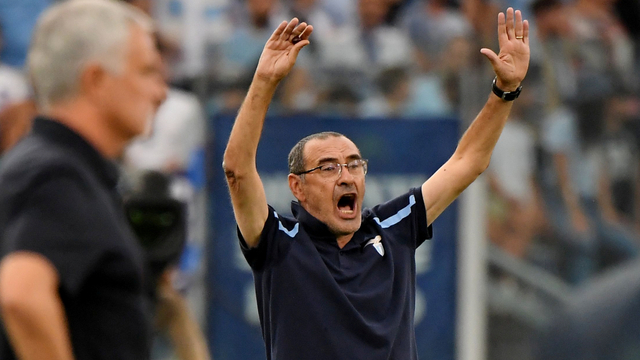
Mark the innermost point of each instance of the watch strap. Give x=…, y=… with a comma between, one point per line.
x=505, y=95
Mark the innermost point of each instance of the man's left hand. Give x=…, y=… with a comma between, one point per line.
x=511, y=64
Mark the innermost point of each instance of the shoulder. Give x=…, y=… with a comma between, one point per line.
x=33, y=161
x=286, y=224
x=395, y=210
x=403, y=218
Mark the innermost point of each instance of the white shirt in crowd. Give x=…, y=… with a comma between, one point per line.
x=177, y=132
x=13, y=86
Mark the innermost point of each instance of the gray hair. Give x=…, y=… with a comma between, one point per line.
x=296, y=155
x=74, y=33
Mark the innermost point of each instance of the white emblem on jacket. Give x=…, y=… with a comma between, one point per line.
x=377, y=244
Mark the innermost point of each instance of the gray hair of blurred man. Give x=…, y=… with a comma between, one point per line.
x=73, y=34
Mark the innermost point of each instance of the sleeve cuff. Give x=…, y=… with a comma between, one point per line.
x=257, y=256
x=423, y=231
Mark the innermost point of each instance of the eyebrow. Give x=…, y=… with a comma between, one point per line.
x=333, y=159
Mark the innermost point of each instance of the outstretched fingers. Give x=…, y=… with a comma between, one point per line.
x=510, y=24
x=297, y=32
x=306, y=33
x=502, y=28
x=511, y=64
x=276, y=34
x=288, y=30
x=519, y=27
x=304, y=36
x=301, y=40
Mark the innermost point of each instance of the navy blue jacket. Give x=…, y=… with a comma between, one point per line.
x=317, y=301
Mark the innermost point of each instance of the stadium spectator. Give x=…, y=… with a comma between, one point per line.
x=314, y=12
x=557, y=55
x=362, y=49
x=629, y=13
x=574, y=181
x=605, y=49
x=251, y=20
x=176, y=136
x=465, y=91
x=13, y=85
x=432, y=26
x=515, y=207
x=16, y=107
x=339, y=100
x=620, y=191
x=393, y=93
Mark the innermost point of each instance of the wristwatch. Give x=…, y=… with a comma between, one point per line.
x=505, y=95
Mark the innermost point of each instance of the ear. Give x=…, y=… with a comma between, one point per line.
x=92, y=80
x=296, y=184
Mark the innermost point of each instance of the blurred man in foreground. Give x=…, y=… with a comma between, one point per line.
x=71, y=270
x=338, y=281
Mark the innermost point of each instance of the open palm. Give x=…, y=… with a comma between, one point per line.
x=281, y=50
x=511, y=64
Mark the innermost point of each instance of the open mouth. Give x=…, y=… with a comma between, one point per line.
x=347, y=204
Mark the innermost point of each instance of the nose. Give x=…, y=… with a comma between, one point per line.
x=345, y=176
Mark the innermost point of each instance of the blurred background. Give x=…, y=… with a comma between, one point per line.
x=557, y=210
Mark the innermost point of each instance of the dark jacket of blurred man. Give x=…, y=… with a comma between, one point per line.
x=71, y=270
x=600, y=322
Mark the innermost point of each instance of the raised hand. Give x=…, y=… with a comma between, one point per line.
x=281, y=50
x=511, y=64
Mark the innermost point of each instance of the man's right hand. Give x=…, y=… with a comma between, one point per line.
x=281, y=51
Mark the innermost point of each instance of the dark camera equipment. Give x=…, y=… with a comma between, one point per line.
x=159, y=222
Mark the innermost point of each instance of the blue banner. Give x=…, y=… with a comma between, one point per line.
x=402, y=154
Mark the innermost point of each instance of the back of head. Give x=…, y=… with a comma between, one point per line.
x=73, y=34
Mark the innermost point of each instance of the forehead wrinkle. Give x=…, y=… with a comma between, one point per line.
x=332, y=148
x=327, y=159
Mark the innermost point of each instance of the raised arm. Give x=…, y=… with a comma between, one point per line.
x=247, y=192
x=473, y=153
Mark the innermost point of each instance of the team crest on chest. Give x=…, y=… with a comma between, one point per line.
x=377, y=244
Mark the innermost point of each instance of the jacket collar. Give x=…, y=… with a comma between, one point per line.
x=57, y=132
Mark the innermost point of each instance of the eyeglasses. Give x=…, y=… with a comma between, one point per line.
x=356, y=167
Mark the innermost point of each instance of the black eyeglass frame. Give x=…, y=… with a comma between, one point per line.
x=365, y=164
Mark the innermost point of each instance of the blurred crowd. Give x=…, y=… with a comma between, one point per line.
x=564, y=176
x=367, y=58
